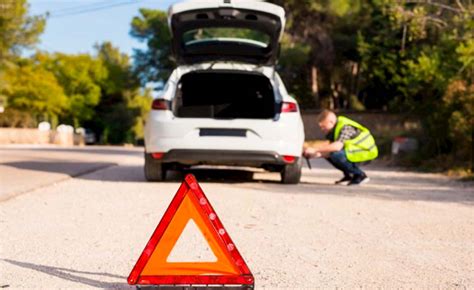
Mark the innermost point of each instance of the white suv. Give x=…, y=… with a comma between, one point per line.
x=225, y=104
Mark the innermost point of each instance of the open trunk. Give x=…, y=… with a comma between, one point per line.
x=210, y=30
x=224, y=95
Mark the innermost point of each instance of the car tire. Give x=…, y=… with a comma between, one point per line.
x=291, y=173
x=154, y=169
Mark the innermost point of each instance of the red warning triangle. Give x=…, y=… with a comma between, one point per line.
x=190, y=203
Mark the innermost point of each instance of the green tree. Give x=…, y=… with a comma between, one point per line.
x=17, y=29
x=80, y=76
x=292, y=67
x=155, y=63
x=458, y=101
x=140, y=103
x=121, y=106
x=420, y=61
x=34, y=90
x=329, y=30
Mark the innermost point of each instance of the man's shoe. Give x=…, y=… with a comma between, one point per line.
x=359, y=179
x=346, y=179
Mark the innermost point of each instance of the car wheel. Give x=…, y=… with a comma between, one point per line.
x=291, y=173
x=154, y=169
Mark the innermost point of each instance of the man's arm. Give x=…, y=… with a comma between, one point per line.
x=315, y=146
x=331, y=147
x=323, y=149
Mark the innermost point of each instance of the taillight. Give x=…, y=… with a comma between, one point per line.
x=157, y=155
x=288, y=107
x=289, y=158
x=160, y=104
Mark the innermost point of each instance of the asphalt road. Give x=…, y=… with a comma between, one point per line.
x=80, y=217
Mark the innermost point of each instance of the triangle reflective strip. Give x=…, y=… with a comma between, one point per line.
x=153, y=266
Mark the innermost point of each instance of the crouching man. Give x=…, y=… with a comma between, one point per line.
x=348, y=143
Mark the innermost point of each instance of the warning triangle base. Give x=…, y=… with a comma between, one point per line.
x=181, y=287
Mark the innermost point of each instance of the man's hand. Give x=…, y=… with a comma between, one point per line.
x=311, y=153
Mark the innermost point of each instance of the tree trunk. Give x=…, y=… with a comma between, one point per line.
x=404, y=36
x=357, y=80
x=314, y=85
x=333, y=96
x=354, y=76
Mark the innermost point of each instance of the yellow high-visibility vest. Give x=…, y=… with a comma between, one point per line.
x=361, y=148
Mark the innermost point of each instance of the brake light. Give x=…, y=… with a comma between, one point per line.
x=160, y=104
x=288, y=107
x=157, y=155
x=289, y=158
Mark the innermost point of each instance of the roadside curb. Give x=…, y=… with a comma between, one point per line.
x=7, y=196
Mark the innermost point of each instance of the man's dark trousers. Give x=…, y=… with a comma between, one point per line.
x=339, y=160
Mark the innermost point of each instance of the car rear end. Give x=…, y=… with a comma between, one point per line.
x=225, y=117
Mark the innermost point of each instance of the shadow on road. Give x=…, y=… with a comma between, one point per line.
x=73, y=168
x=74, y=275
x=127, y=173
x=134, y=173
x=217, y=175
x=84, y=150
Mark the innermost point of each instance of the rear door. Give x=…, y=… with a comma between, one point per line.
x=242, y=31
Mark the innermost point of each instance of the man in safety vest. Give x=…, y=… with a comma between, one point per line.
x=348, y=143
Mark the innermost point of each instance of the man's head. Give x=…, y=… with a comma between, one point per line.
x=327, y=120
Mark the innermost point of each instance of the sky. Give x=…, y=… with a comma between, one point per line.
x=74, y=26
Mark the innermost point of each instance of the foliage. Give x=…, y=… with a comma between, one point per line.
x=80, y=76
x=329, y=29
x=459, y=103
x=465, y=52
x=155, y=63
x=33, y=89
x=17, y=29
x=120, y=112
x=141, y=104
x=424, y=63
x=98, y=92
x=117, y=64
x=293, y=60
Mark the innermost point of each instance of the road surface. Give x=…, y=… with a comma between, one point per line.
x=80, y=217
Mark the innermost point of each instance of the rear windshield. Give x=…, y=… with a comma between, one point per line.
x=226, y=34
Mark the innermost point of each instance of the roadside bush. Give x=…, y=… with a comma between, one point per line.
x=459, y=101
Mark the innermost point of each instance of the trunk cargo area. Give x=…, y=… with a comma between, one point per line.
x=224, y=95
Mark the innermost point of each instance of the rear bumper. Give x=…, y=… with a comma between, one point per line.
x=223, y=157
x=164, y=133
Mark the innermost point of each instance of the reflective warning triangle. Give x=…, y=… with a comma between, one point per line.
x=190, y=203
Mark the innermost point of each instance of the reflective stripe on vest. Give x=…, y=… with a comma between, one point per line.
x=363, y=139
x=362, y=147
x=362, y=150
